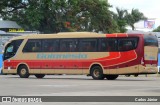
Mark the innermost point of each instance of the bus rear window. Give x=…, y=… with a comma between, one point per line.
x=150, y=40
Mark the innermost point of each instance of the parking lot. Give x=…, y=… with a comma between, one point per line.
x=79, y=85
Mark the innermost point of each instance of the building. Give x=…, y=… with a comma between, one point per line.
x=10, y=29
x=146, y=25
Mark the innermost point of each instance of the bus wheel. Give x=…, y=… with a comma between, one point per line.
x=23, y=71
x=136, y=75
x=39, y=75
x=111, y=77
x=97, y=73
x=127, y=75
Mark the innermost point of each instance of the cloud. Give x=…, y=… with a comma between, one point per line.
x=150, y=8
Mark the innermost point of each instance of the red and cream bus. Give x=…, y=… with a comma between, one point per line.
x=98, y=55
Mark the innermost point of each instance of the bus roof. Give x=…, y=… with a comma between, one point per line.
x=72, y=35
x=61, y=35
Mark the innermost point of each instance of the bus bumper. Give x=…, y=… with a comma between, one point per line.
x=148, y=70
x=11, y=71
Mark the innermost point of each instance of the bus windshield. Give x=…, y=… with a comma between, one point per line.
x=11, y=49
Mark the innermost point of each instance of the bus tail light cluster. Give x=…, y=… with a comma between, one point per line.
x=142, y=61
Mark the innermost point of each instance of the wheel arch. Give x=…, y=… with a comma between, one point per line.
x=21, y=64
x=95, y=64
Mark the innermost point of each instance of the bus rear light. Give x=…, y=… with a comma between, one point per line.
x=142, y=61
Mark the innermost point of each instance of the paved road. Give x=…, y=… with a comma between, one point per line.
x=79, y=85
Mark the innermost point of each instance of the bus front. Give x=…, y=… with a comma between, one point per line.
x=10, y=52
x=150, y=59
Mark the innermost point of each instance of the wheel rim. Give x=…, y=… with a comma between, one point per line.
x=96, y=73
x=23, y=71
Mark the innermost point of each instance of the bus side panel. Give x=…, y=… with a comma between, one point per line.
x=115, y=62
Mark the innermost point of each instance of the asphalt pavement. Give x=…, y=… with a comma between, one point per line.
x=79, y=85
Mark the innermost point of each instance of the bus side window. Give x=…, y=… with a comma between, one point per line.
x=35, y=49
x=63, y=47
x=50, y=45
x=107, y=45
x=47, y=45
x=68, y=45
x=37, y=46
x=88, y=45
x=127, y=44
x=32, y=45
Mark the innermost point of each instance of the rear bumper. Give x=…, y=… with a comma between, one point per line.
x=148, y=70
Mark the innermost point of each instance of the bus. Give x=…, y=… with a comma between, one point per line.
x=81, y=53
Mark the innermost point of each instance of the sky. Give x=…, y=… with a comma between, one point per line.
x=150, y=8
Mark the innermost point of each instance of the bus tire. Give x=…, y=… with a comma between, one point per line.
x=111, y=77
x=23, y=71
x=97, y=73
x=136, y=75
x=39, y=75
x=127, y=75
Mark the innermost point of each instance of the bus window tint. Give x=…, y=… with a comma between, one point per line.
x=68, y=45
x=127, y=44
x=150, y=40
x=88, y=45
x=32, y=45
x=50, y=45
x=107, y=45
x=17, y=44
x=12, y=48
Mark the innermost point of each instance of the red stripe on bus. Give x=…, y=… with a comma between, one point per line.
x=112, y=60
x=111, y=35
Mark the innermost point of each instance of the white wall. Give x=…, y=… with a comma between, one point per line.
x=141, y=26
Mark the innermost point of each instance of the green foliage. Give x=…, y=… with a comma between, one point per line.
x=120, y=19
x=124, y=18
x=134, y=17
x=157, y=29
x=50, y=16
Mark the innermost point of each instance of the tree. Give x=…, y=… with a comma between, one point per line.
x=120, y=19
x=134, y=17
x=157, y=29
x=51, y=16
